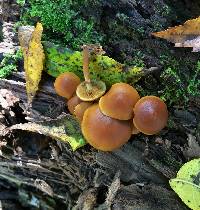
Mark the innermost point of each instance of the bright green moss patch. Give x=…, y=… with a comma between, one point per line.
x=63, y=21
x=9, y=63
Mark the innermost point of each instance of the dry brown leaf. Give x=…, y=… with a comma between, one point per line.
x=186, y=35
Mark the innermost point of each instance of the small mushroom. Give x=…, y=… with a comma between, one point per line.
x=150, y=115
x=80, y=110
x=89, y=90
x=103, y=132
x=72, y=103
x=66, y=84
x=119, y=101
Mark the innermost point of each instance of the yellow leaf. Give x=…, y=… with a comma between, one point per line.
x=187, y=184
x=33, y=59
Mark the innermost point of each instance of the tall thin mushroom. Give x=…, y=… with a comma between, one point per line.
x=89, y=90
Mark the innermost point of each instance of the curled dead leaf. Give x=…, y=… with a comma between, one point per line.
x=64, y=128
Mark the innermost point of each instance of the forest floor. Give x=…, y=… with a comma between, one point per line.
x=37, y=172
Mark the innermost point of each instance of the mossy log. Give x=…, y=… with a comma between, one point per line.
x=128, y=25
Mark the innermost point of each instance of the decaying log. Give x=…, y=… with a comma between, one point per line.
x=68, y=177
x=46, y=103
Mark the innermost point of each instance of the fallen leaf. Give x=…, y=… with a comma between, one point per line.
x=64, y=128
x=186, y=35
x=30, y=41
x=187, y=184
x=61, y=59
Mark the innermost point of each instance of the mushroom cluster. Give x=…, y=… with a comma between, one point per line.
x=109, y=119
x=79, y=95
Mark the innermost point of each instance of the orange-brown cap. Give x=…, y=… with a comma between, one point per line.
x=103, y=132
x=150, y=115
x=135, y=130
x=66, y=84
x=80, y=110
x=72, y=103
x=119, y=101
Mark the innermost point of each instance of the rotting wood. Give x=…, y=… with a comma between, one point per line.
x=85, y=168
x=78, y=171
x=46, y=103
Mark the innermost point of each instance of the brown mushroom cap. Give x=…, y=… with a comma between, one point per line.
x=66, y=84
x=135, y=130
x=103, y=132
x=150, y=115
x=90, y=91
x=119, y=101
x=80, y=110
x=72, y=103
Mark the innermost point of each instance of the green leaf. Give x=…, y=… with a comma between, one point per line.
x=187, y=184
x=59, y=59
x=64, y=128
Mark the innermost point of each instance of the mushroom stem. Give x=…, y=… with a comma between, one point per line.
x=86, y=61
x=89, y=87
x=89, y=90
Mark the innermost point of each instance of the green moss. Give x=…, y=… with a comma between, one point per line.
x=179, y=89
x=9, y=63
x=137, y=59
x=179, y=80
x=59, y=60
x=62, y=21
x=169, y=61
x=193, y=86
x=20, y=2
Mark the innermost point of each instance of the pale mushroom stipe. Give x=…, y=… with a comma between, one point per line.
x=89, y=90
